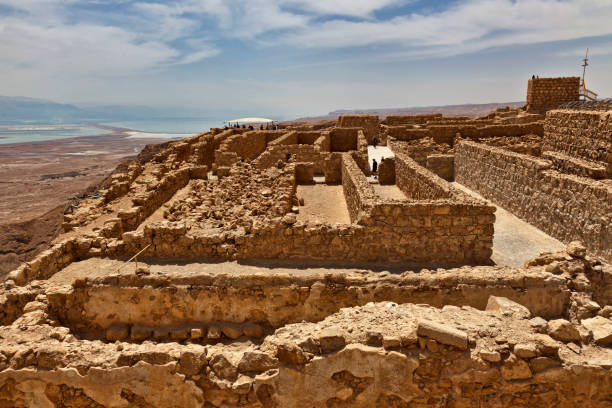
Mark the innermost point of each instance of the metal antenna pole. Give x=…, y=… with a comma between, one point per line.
x=584, y=65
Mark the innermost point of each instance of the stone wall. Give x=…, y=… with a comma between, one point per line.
x=343, y=139
x=381, y=354
x=442, y=165
x=417, y=182
x=308, y=137
x=290, y=138
x=565, y=206
x=448, y=218
x=585, y=135
x=398, y=120
x=447, y=133
x=386, y=171
x=244, y=146
x=323, y=143
x=271, y=301
x=301, y=153
x=369, y=123
x=548, y=93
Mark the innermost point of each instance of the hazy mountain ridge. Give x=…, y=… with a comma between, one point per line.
x=476, y=109
x=18, y=109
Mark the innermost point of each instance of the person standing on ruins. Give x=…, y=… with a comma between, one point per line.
x=374, y=165
x=374, y=141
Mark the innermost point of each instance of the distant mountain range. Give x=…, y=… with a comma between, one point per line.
x=446, y=110
x=21, y=109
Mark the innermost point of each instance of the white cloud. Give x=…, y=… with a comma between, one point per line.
x=469, y=26
x=81, y=48
x=596, y=51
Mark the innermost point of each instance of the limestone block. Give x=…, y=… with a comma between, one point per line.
x=524, y=350
x=490, y=356
x=331, y=340
x=601, y=329
x=231, y=331
x=507, y=306
x=515, y=369
x=257, y=361
x=563, y=330
x=444, y=334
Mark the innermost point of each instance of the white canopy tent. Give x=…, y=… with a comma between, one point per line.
x=241, y=121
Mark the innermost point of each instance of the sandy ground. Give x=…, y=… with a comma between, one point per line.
x=516, y=241
x=323, y=203
x=389, y=192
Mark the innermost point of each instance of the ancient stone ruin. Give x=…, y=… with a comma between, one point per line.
x=241, y=268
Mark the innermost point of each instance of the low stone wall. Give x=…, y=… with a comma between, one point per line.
x=291, y=138
x=398, y=120
x=448, y=133
x=567, y=207
x=108, y=307
x=548, y=93
x=585, y=135
x=358, y=192
x=369, y=123
x=419, y=149
x=417, y=182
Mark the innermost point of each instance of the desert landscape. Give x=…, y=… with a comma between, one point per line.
x=259, y=268
x=37, y=179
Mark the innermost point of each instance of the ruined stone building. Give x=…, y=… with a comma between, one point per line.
x=242, y=268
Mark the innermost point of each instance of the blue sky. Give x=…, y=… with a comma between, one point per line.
x=291, y=58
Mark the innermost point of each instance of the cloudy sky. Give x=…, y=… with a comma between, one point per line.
x=293, y=57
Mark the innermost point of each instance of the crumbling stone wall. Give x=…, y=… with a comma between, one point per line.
x=544, y=94
x=565, y=206
x=246, y=146
x=260, y=304
x=584, y=135
x=323, y=143
x=301, y=153
x=369, y=123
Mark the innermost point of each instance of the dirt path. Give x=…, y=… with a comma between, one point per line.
x=323, y=203
x=516, y=241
